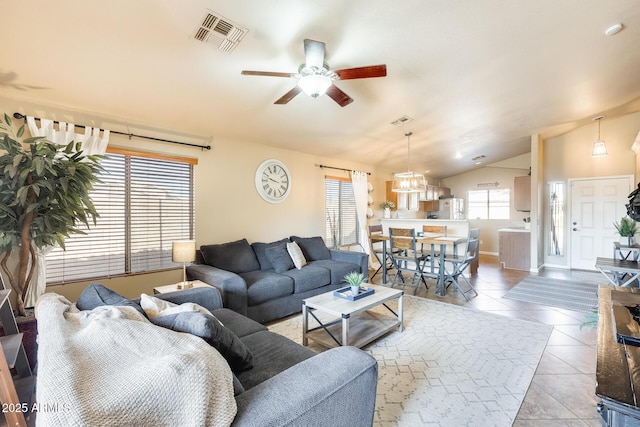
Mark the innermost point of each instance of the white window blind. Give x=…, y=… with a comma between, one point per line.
x=145, y=204
x=341, y=221
x=489, y=204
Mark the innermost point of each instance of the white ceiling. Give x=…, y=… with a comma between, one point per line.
x=477, y=77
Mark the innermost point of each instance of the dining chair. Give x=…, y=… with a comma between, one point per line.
x=407, y=257
x=458, y=264
x=377, y=250
x=440, y=230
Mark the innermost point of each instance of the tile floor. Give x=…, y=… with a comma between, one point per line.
x=562, y=392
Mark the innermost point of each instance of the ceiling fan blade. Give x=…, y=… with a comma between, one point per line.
x=362, y=72
x=289, y=95
x=339, y=96
x=313, y=53
x=267, y=73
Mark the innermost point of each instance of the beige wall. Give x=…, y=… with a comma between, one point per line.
x=227, y=204
x=569, y=156
x=503, y=173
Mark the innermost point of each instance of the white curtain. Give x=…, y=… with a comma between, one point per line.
x=92, y=143
x=360, y=194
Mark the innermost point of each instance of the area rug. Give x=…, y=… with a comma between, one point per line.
x=568, y=294
x=451, y=366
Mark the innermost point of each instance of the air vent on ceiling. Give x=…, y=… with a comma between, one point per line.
x=402, y=120
x=219, y=31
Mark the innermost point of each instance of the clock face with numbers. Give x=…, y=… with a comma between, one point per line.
x=273, y=181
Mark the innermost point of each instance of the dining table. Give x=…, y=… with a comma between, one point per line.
x=432, y=240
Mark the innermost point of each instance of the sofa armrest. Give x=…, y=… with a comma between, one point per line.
x=334, y=388
x=359, y=258
x=232, y=287
x=206, y=296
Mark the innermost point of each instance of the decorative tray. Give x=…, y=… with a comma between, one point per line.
x=346, y=293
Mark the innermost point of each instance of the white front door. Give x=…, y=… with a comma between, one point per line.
x=595, y=205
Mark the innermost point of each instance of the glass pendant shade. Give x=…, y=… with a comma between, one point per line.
x=599, y=149
x=408, y=182
x=314, y=85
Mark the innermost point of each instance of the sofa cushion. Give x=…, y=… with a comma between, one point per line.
x=237, y=257
x=238, y=324
x=273, y=354
x=260, y=248
x=338, y=268
x=211, y=330
x=296, y=255
x=96, y=295
x=266, y=285
x=279, y=258
x=309, y=277
x=313, y=248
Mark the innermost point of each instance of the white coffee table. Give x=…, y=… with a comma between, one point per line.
x=355, y=325
x=177, y=287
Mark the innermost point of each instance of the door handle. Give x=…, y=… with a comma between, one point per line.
x=575, y=229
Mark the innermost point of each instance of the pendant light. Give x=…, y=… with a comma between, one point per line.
x=409, y=181
x=599, y=147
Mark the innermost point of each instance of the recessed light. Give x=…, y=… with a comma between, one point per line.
x=613, y=29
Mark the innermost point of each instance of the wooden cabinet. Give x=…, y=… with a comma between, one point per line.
x=444, y=192
x=433, y=192
x=522, y=193
x=405, y=201
x=514, y=249
x=431, y=206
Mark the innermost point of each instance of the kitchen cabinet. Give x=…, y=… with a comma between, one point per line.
x=444, y=192
x=514, y=249
x=431, y=193
x=405, y=201
x=431, y=206
x=522, y=193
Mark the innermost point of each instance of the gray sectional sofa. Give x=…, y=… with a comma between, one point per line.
x=258, y=281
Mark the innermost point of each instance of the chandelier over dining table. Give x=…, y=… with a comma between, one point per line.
x=409, y=181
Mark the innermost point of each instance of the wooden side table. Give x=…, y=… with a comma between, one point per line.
x=174, y=288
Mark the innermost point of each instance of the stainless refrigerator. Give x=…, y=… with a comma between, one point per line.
x=451, y=209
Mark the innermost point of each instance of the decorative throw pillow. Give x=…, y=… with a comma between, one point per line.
x=279, y=258
x=237, y=256
x=96, y=295
x=154, y=307
x=296, y=255
x=211, y=330
x=313, y=248
x=260, y=249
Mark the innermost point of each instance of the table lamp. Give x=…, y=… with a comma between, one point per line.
x=184, y=251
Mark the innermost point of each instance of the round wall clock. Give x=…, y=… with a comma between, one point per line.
x=273, y=181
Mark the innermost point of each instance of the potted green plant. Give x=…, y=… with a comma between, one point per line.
x=355, y=280
x=44, y=194
x=387, y=205
x=626, y=228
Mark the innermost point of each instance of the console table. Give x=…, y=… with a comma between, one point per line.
x=617, y=376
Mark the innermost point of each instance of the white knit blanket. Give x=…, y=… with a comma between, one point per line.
x=112, y=367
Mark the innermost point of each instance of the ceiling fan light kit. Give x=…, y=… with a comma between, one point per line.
x=409, y=181
x=315, y=78
x=599, y=147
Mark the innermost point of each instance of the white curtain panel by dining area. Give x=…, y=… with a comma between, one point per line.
x=92, y=143
x=360, y=194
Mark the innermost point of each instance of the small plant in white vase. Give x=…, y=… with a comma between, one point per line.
x=626, y=228
x=354, y=279
x=387, y=205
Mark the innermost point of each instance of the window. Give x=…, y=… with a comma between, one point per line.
x=341, y=221
x=489, y=204
x=145, y=202
x=556, y=205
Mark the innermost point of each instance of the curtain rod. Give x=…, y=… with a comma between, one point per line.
x=130, y=135
x=340, y=169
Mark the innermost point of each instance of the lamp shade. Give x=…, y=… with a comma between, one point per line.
x=184, y=251
x=408, y=182
x=599, y=149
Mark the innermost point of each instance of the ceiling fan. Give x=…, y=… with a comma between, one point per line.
x=315, y=78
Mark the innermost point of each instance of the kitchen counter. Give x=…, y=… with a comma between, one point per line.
x=515, y=230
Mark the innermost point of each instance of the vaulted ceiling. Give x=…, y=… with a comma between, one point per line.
x=475, y=77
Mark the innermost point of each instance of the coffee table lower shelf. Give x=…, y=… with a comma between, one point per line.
x=363, y=329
